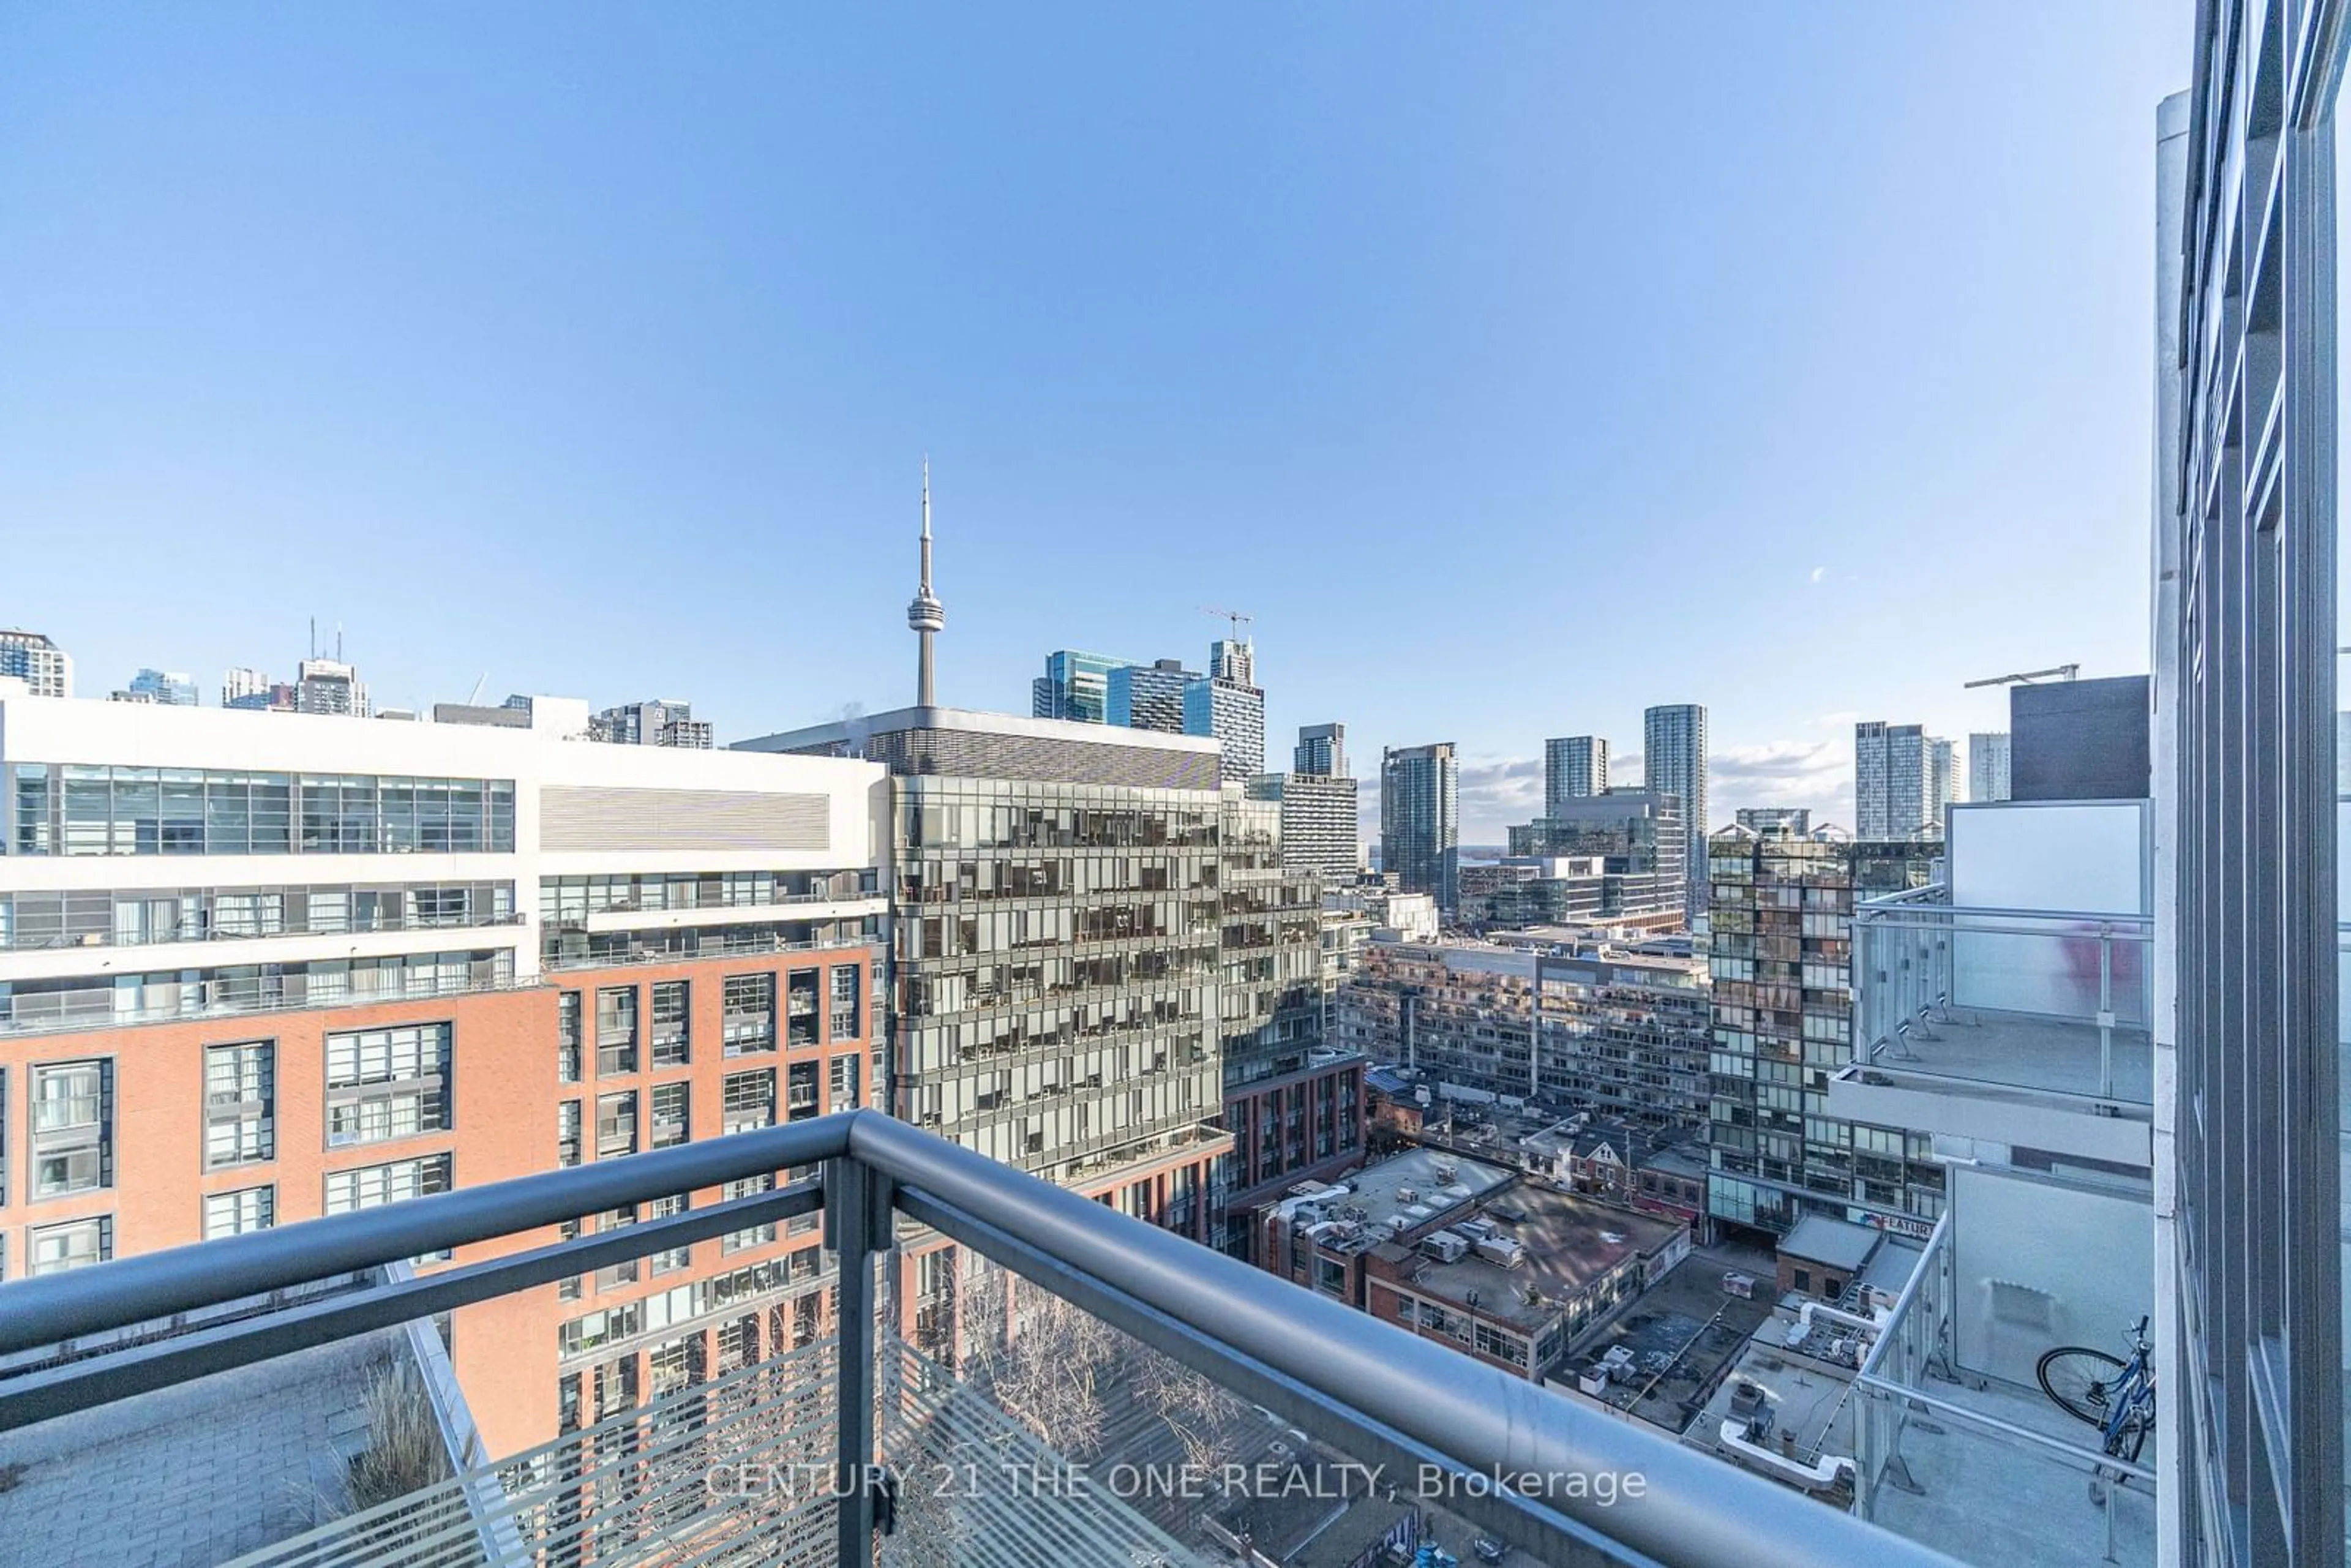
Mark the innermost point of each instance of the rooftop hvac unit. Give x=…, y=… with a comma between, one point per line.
x=1476, y=1229
x=1407, y=1194
x=1447, y=1170
x=1507, y=1251
x=1445, y=1246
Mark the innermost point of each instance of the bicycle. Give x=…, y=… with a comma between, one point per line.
x=2115, y=1396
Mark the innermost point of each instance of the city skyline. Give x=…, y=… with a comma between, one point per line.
x=883, y=263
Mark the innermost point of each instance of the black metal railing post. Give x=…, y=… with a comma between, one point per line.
x=857, y=1228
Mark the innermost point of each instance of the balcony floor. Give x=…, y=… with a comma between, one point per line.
x=1987, y=1497
x=2018, y=1049
x=192, y=1476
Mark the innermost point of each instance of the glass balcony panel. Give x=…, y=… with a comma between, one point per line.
x=1958, y=1449
x=2053, y=1003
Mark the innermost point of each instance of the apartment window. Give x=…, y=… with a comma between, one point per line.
x=674, y=1364
x=846, y=993
x=567, y=1402
x=53, y=1249
x=747, y=1101
x=753, y=1235
x=616, y=1030
x=615, y=1387
x=844, y=1083
x=802, y=1007
x=240, y=1103
x=571, y=1286
x=624, y=1272
x=748, y=1022
x=674, y=1257
x=673, y=1115
x=373, y=1187
x=673, y=1027
x=99, y=810
x=739, y=1343
x=385, y=1083
x=802, y=1090
x=567, y=1132
x=73, y=1115
x=235, y=1213
x=616, y=1125
x=568, y=1038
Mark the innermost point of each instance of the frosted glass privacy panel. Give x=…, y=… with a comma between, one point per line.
x=2087, y=856
x=2076, y=858
x=2040, y=1263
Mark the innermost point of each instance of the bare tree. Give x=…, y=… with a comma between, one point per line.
x=1204, y=1415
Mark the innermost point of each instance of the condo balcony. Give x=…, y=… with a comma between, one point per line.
x=1958, y=1448
x=2009, y=1003
x=1070, y=1387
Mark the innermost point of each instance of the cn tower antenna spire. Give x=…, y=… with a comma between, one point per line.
x=926, y=617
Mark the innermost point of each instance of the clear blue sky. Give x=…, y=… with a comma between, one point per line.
x=1517, y=366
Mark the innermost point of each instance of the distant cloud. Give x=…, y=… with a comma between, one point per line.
x=1817, y=774
x=1819, y=573
x=1839, y=720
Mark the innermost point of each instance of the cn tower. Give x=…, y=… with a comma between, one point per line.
x=925, y=617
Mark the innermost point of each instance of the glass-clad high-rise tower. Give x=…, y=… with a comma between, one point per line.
x=1674, y=758
x=1420, y=820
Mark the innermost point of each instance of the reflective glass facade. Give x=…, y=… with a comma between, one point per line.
x=1780, y=959
x=1056, y=967
x=1420, y=821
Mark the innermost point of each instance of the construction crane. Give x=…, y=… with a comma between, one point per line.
x=2026, y=677
x=1240, y=622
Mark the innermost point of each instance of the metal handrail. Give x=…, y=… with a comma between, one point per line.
x=13, y=1025
x=69, y=944
x=554, y=962
x=1371, y=1389
x=2137, y=930
x=1907, y=903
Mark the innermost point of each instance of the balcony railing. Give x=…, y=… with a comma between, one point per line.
x=939, y=1453
x=2054, y=1002
x=1951, y=1456
x=708, y=946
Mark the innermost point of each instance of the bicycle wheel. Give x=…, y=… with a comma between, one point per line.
x=2079, y=1379
x=2126, y=1444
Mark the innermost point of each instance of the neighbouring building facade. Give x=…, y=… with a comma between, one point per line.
x=1675, y=761
x=1074, y=687
x=1148, y=696
x=1796, y=820
x=1573, y=766
x=46, y=669
x=1599, y=1028
x=169, y=687
x=1779, y=958
x=1229, y=705
x=1636, y=839
x=1318, y=821
x=1987, y=754
x=257, y=969
x=1293, y=1102
x=659, y=722
x=1890, y=780
x=1420, y=821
